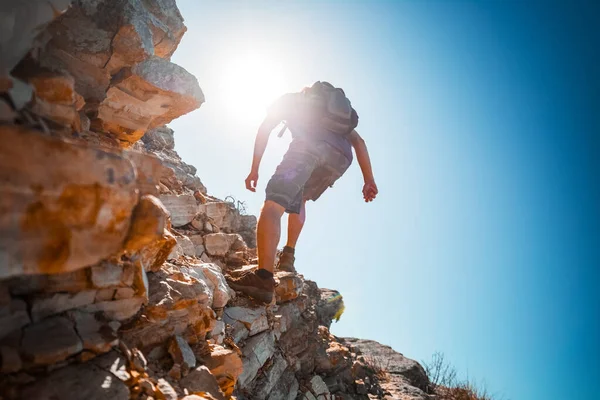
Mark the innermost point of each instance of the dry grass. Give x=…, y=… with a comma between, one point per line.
x=378, y=367
x=446, y=386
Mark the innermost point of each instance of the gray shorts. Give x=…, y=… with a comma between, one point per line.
x=306, y=171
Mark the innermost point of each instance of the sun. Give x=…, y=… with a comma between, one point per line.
x=250, y=83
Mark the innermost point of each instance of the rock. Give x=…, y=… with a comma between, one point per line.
x=106, y=275
x=181, y=209
x=226, y=366
x=13, y=316
x=271, y=376
x=360, y=386
x=286, y=388
x=21, y=23
x=186, y=246
x=255, y=320
x=396, y=363
x=105, y=295
x=318, y=386
x=198, y=242
x=219, y=244
x=288, y=286
x=154, y=255
x=201, y=380
x=78, y=382
x=182, y=353
x=166, y=390
x=223, y=214
x=96, y=336
x=55, y=97
x=218, y=332
x=50, y=341
x=44, y=306
x=257, y=351
x=159, y=138
x=145, y=96
x=124, y=293
x=212, y=276
x=10, y=360
x=148, y=224
x=76, y=216
x=117, y=310
x=71, y=282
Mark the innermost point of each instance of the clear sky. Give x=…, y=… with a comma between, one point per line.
x=483, y=124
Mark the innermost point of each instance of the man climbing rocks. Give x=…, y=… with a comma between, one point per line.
x=322, y=121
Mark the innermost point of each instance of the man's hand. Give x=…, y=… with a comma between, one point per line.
x=370, y=191
x=251, y=181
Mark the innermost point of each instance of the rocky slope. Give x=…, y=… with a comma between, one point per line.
x=113, y=257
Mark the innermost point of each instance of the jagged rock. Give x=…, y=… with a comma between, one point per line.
x=105, y=295
x=61, y=221
x=270, y=377
x=224, y=215
x=13, y=316
x=166, y=390
x=44, y=306
x=288, y=286
x=117, y=310
x=218, y=332
x=124, y=293
x=226, y=366
x=55, y=98
x=178, y=305
x=219, y=244
x=106, y=274
x=50, y=341
x=72, y=282
x=201, y=380
x=159, y=138
x=78, y=382
x=255, y=320
x=184, y=247
x=182, y=209
x=96, y=336
x=148, y=224
x=198, y=242
x=182, y=353
x=286, y=388
x=145, y=96
x=21, y=22
x=408, y=372
x=155, y=254
x=318, y=387
x=257, y=351
x=211, y=275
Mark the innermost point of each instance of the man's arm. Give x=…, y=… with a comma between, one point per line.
x=364, y=161
x=260, y=144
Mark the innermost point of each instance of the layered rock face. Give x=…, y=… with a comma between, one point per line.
x=113, y=257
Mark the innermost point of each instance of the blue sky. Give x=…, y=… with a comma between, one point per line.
x=483, y=125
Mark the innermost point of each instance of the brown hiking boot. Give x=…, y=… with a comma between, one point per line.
x=286, y=260
x=253, y=285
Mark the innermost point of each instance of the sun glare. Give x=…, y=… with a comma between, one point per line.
x=250, y=84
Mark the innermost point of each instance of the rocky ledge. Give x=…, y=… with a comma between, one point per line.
x=113, y=256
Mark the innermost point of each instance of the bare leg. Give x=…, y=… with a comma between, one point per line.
x=295, y=224
x=268, y=232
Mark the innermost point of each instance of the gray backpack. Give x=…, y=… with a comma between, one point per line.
x=327, y=107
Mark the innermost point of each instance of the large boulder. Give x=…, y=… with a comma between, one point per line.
x=66, y=217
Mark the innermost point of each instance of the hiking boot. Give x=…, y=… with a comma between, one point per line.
x=254, y=285
x=286, y=260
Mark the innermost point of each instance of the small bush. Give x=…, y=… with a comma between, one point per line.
x=445, y=384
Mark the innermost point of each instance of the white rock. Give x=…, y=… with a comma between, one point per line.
x=255, y=320
x=318, y=386
x=257, y=351
x=182, y=209
x=106, y=275
x=117, y=310
x=42, y=307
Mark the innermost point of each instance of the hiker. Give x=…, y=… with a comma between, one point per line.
x=322, y=121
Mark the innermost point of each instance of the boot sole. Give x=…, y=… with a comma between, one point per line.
x=255, y=293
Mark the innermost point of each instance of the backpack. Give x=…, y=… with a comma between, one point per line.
x=327, y=107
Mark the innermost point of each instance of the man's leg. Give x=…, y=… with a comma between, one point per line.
x=268, y=232
x=295, y=224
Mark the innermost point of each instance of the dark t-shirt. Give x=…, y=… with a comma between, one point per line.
x=285, y=109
